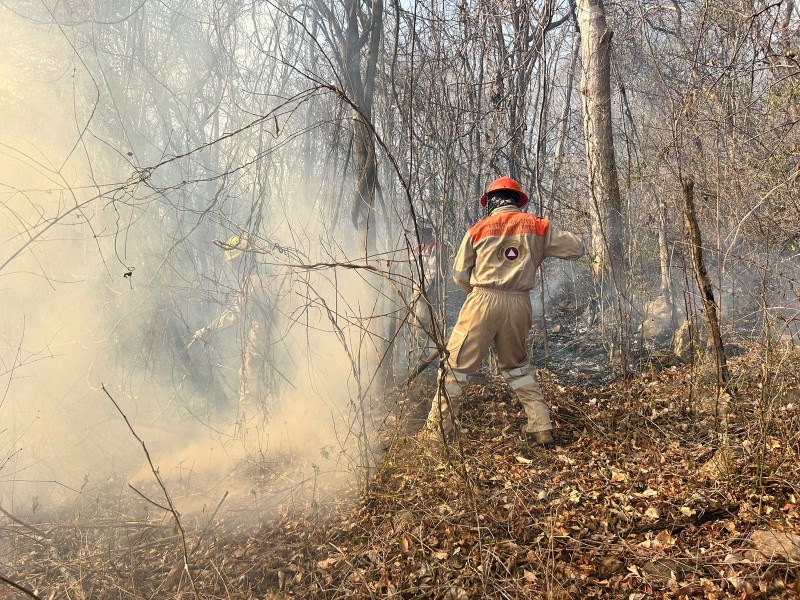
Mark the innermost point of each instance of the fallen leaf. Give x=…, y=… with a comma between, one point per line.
x=456, y=593
x=732, y=559
x=529, y=576
x=665, y=539
x=652, y=512
x=665, y=568
x=608, y=566
x=328, y=562
x=736, y=582
x=406, y=547
x=617, y=475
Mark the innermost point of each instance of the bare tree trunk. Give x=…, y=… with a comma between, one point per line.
x=366, y=180
x=362, y=28
x=563, y=125
x=667, y=291
x=308, y=151
x=703, y=282
x=606, y=210
x=663, y=253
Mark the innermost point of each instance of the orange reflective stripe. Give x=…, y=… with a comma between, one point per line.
x=507, y=224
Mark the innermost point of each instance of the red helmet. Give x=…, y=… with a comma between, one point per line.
x=505, y=183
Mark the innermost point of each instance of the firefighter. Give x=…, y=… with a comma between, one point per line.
x=495, y=265
x=428, y=252
x=254, y=310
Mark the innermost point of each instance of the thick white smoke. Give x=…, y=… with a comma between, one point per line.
x=87, y=314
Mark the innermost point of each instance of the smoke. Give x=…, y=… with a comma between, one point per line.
x=46, y=343
x=101, y=301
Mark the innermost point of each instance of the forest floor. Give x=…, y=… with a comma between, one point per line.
x=629, y=506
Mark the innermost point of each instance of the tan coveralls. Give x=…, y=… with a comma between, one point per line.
x=428, y=253
x=495, y=265
x=254, y=374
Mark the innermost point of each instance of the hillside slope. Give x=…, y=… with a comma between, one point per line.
x=629, y=506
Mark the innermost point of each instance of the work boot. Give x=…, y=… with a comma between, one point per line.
x=541, y=438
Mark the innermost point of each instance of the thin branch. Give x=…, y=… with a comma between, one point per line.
x=171, y=508
x=38, y=532
x=19, y=588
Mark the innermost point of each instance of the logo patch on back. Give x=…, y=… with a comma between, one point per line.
x=511, y=253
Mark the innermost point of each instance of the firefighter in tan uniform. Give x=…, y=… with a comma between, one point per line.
x=495, y=265
x=428, y=253
x=253, y=309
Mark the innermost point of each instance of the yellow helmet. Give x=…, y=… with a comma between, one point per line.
x=234, y=246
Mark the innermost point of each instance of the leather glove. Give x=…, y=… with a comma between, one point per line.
x=201, y=334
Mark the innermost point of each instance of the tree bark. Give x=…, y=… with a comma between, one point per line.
x=704, y=282
x=563, y=125
x=362, y=28
x=606, y=210
x=663, y=253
